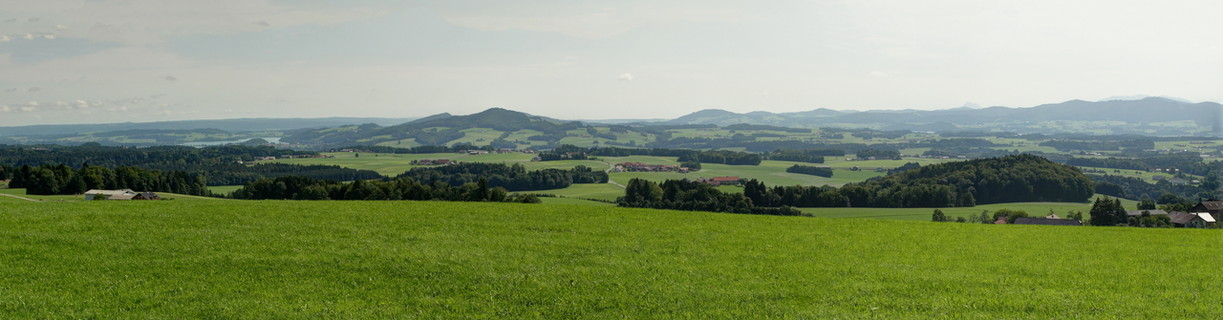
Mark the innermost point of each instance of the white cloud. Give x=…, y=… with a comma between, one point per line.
x=61, y=27
x=28, y=36
x=5, y=39
x=626, y=77
x=48, y=36
x=26, y=109
x=5, y=109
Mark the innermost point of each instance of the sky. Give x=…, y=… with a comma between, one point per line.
x=100, y=61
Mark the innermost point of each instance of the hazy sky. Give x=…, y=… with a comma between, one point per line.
x=150, y=60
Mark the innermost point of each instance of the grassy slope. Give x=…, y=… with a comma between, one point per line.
x=452, y=260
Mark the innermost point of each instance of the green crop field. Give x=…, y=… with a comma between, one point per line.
x=1034, y=209
x=282, y=259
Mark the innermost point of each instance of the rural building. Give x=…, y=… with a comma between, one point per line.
x=122, y=194
x=1214, y=208
x=1048, y=222
x=1191, y=220
x=108, y=194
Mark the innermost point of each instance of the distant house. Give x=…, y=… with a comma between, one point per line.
x=108, y=194
x=1001, y=220
x=1048, y=222
x=1191, y=220
x=1052, y=216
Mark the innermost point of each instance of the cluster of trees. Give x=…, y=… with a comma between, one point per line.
x=878, y=154
x=303, y=188
x=803, y=155
x=6, y=172
x=62, y=179
x=723, y=157
x=513, y=178
x=1107, y=211
x=1019, y=178
x=419, y=149
x=1135, y=188
x=905, y=167
x=691, y=196
x=810, y=170
x=986, y=218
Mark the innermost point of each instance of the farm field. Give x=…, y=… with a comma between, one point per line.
x=283, y=259
x=1034, y=209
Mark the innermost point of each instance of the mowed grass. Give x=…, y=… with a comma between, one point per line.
x=1034, y=209
x=281, y=259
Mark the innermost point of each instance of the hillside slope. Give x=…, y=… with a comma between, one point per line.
x=250, y=259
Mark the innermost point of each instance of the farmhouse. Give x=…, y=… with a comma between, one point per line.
x=1214, y=208
x=1191, y=220
x=122, y=194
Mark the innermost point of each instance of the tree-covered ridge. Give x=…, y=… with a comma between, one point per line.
x=62, y=179
x=1019, y=178
x=302, y=188
x=221, y=165
x=1016, y=178
x=513, y=178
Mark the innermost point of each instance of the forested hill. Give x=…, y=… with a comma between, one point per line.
x=434, y=130
x=1017, y=178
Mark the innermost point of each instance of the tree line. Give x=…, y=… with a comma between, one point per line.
x=810, y=170
x=63, y=180
x=691, y=196
x=303, y=188
x=512, y=178
x=1020, y=178
x=221, y=165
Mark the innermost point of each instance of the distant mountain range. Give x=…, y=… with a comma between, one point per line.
x=1156, y=116
x=1150, y=115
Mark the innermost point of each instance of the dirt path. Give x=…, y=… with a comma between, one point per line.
x=19, y=197
x=609, y=180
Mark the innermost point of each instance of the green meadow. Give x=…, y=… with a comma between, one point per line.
x=337, y=259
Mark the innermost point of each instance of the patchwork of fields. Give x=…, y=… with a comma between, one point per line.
x=283, y=259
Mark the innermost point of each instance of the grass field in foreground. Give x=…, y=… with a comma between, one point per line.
x=281, y=259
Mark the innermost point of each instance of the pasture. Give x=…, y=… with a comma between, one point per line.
x=284, y=259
